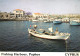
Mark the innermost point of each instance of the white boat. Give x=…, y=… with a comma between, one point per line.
x=56, y=35
x=35, y=20
x=75, y=22
x=57, y=21
x=48, y=21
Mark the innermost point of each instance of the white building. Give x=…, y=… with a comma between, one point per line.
x=65, y=19
x=40, y=16
x=19, y=13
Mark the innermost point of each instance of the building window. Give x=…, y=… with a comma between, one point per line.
x=21, y=15
x=11, y=14
x=1, y=16
x=16, y=11
x=6, y=15
x=20, y=11
x=16, y=15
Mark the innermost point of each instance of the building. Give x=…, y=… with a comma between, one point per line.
x=66, y=19
x=39, y=15
x=19, y=13
x=12, y=16
x=4, y=15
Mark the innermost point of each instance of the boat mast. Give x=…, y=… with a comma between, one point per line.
x=52, y=27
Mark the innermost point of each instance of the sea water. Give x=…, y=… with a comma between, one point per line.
x=14, y=36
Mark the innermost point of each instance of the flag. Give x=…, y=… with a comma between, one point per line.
x=30, y=25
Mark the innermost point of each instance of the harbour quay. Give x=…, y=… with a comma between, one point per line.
x=19, y=14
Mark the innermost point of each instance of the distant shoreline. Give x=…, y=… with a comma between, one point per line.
x=13, y=20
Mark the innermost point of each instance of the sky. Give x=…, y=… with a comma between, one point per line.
x=42, y=6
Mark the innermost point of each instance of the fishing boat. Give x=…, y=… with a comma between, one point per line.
x=57, y=21
x=46, y=35
x=75, y=22
x=48, y=21
x=35, y=20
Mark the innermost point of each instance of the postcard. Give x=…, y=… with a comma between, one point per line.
x=33, y=27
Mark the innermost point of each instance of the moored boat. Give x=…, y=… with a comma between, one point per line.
x=48, y=21
x=75, y=22
x=56, y=35
x=35, y=20
x=57, y=21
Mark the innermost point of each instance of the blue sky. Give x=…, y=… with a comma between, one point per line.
x=42, y=6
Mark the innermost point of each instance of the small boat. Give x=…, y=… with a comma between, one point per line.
x=57, y=21
x=48, y=21
x=75, y=22
x=35, y=20
x=56, y=35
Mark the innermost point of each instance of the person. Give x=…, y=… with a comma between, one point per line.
x=35, y=26
x=30, y=25
x=56, y=32
x=44, y=31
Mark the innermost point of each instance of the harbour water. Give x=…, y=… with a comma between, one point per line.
x=14, y=36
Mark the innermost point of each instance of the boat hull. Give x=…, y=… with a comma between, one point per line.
x=48, y=21
x=57, y=22
x=49, y=36
x=74, y=23
x=35, y=20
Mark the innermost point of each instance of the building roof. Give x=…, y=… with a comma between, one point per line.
x=18, y=10
x=37, y=13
